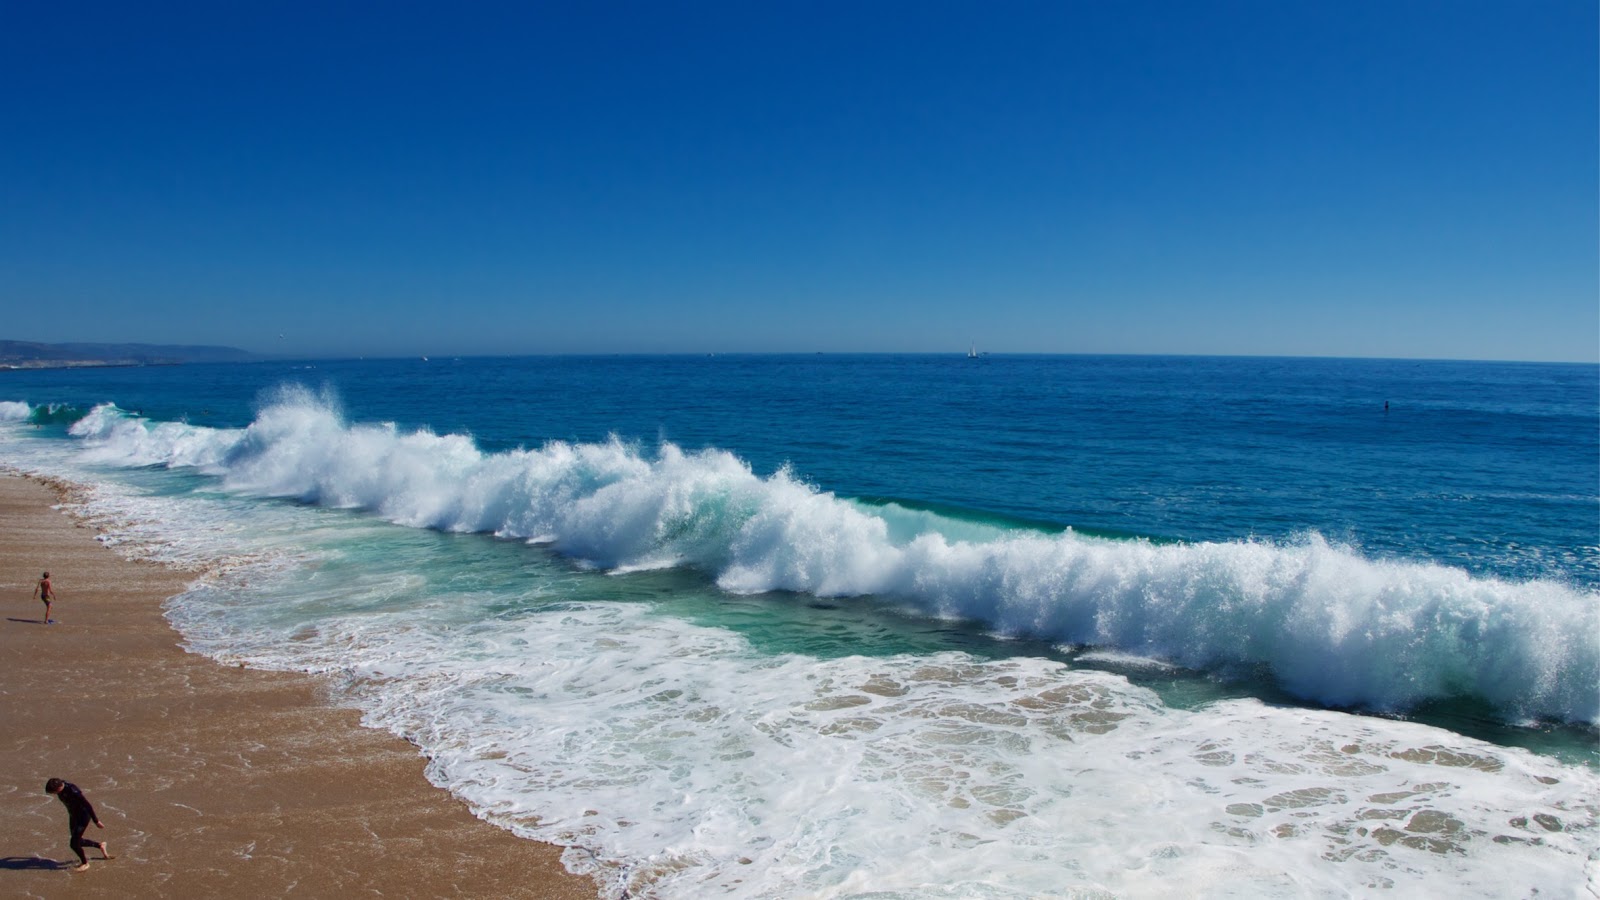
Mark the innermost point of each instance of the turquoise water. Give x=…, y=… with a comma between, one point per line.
x=909, y=626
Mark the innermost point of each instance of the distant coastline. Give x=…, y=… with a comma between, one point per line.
x=82, y=363
x=32, y=355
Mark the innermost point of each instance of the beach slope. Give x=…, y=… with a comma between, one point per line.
x=211, y=781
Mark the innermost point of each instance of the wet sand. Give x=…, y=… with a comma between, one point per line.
x=211, y=781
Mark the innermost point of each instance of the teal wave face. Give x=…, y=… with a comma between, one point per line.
x=56, y=414
x=910, y=517
x=39, y=416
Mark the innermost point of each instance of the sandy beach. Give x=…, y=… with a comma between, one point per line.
x=211, y=781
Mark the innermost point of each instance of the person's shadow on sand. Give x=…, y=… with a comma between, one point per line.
x=27, y=863
x=25, y=621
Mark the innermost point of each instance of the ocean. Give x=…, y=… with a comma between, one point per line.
x=909, y=626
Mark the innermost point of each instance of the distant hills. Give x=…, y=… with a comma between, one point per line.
x=31, y=355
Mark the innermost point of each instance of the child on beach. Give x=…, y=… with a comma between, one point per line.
x=43, y=591
x=79, y=814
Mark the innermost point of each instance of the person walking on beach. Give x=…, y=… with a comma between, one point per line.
x=79, y=814
x=43, y=591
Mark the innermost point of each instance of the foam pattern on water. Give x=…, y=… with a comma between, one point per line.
x=677, y=763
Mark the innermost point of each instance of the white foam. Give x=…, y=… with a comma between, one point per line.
x=1124, y=660
x=114, y=437
x=679, y=763
x=1329, y=624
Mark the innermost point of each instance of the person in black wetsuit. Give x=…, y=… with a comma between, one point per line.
x=79, y=814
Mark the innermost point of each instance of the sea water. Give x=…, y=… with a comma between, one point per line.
x=910, y=626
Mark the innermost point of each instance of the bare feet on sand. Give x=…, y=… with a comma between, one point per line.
x=80, y=867
x=105, y=851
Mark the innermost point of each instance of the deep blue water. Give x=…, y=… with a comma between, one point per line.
x=1489, y=467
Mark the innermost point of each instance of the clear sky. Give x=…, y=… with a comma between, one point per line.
x=1281, y=177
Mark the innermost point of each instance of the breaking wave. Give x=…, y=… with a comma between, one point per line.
x=1328, y=624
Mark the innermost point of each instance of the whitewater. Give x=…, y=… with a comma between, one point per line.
x=1331, y=626
x=707, y=681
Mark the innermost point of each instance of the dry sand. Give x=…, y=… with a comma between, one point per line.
x=211, y=781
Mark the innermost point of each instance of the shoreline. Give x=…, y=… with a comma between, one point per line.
x=210, y=780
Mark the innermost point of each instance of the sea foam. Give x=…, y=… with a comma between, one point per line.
x=1329, y=624
x=675, y=762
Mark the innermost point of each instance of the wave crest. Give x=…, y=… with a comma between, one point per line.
x=1329, y=624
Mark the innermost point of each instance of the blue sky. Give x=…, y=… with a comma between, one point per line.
x=1354, y=178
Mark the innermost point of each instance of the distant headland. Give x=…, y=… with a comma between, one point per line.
x=31, y=355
